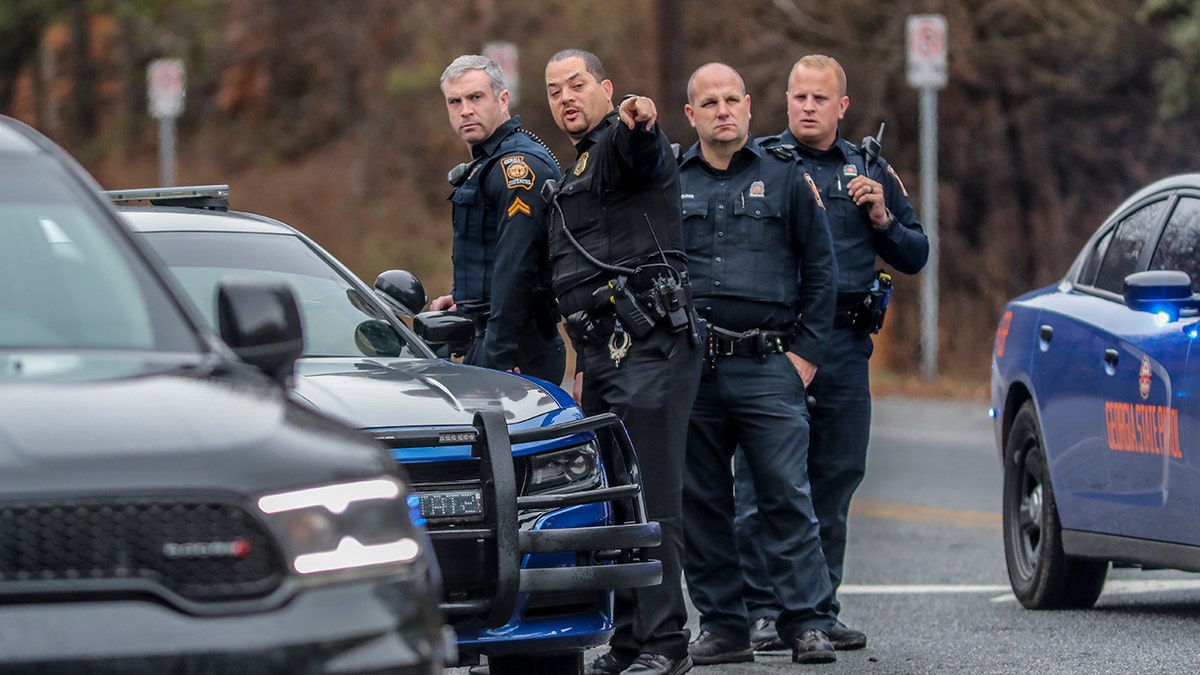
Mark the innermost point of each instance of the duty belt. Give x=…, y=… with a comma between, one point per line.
x=845, y=317
x=755, y=342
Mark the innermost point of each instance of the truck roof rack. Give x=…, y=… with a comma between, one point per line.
x=215, y=197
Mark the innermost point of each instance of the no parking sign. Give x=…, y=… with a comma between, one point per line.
x=165, y=87
x=926, y=50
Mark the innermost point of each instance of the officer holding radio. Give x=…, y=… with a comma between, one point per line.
x=620, y=273
x=763, y=276
x=869, y=216
x=501, y=272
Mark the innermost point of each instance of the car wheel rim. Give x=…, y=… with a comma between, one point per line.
x=1029, y=521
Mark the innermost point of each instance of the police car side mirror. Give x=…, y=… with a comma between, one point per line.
x=402, y=291
x=1159, y=291
x=447, y=333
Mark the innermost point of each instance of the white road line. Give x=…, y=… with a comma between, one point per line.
x=1110, y=588
x=919, y=589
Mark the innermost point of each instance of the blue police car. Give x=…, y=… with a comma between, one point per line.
x=535, y=511
x=1095, y=407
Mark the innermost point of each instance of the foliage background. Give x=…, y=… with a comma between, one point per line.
x=327, y=113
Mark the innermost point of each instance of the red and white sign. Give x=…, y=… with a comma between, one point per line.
x=165, y=86
x=506, y=55
x=927, y=46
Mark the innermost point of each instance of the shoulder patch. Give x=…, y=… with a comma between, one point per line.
x=897, y=177
x=816, y=193
x=517, y=173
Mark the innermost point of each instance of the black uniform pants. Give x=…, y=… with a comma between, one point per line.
x=759, y=406
x=651, y=390
x=839, y=432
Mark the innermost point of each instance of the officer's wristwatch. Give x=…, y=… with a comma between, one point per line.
x=891, y=219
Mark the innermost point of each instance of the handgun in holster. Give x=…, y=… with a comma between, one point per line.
x=869, y=317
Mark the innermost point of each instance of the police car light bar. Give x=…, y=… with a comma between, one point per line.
x=182, y=192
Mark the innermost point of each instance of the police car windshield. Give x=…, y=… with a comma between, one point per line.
x=69, y=280
x=339, y=318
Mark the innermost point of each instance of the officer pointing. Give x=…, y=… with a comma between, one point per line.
x=620, y=272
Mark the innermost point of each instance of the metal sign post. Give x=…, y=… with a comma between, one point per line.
x=165, y=87
x=927, y=72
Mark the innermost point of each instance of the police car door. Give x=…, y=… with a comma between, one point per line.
x=1086, y=373
x=1177, y=249
x=1143, y=361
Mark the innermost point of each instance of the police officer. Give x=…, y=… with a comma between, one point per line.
x=869, y=216
x=763, y=275
x=620, y=274
x=501, y=264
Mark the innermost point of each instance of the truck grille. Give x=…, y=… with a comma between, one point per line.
x=201, y=551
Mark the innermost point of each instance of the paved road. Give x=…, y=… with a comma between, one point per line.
x=925, y=575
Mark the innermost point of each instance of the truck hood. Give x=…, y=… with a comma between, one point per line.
x=170, y=432
x=388, y=393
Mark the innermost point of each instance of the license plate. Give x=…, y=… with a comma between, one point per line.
x=451, y=504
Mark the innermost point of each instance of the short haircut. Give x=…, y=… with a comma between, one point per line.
x=822, y=62
x=591, y=62
x=468, y=62
x=691, y=92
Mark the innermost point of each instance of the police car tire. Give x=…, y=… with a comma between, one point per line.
x=1041, y=574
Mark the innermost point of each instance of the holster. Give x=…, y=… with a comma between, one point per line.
x=545, y=311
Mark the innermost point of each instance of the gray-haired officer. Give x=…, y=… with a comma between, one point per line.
x=763, y=275
x=501, y=264
x=869, y=216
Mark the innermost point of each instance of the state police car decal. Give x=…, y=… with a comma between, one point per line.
x=1144, y=378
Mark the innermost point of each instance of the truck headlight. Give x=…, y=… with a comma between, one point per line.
x=570, y=470
x=344, y=526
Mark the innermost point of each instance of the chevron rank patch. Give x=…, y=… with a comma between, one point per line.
x=517, y=173
x=816, y=193
x=518, y=206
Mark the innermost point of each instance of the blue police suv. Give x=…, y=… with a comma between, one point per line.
x=535, y=511
x=164, y=506
x=1096, y=405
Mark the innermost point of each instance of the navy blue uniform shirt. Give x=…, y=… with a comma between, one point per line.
x=500, y=244
x=903, y=245
x=759, y=249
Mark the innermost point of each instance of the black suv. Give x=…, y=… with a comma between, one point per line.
x=164, y=506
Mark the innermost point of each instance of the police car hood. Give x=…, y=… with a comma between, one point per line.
x=390, y=393
x=169, y=432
